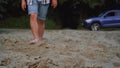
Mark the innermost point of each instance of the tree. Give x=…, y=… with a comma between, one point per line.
x=2, y=7
x=9, y=8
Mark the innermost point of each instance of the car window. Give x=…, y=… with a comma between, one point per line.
x=117, y=14
x=111, y=14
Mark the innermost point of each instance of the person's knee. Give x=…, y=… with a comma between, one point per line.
x=33, y=16
x=41, y=22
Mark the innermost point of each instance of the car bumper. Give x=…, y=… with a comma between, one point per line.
x=86, y=25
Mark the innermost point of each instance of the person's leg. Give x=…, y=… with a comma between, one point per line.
x=33, y=12
x=41, y=28
x=34, y=25
x=42, y=12
x=34, y=28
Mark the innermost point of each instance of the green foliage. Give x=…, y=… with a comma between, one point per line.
x=62, y=1
x=23, y=22
x=93, y=3
x=9, y=7
x=15, y=22
x=2, y=7
x=50, y=24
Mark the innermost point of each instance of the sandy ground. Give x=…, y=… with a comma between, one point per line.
x=61, y=49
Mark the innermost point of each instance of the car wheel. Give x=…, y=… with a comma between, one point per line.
x=95, y=26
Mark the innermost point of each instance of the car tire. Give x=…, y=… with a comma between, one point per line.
x=95, y=27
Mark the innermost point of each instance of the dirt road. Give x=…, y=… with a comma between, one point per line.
x=61, y=49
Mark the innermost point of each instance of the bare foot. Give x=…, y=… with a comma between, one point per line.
x=34, y=41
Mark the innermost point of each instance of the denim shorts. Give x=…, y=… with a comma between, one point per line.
x=39, y=9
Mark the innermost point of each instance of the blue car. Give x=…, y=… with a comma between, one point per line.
x=108, y=19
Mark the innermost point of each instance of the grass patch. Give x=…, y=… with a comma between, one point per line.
x=23, y=23
x=50, y=24
x=15, y=22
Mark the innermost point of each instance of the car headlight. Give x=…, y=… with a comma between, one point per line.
x=88, y=20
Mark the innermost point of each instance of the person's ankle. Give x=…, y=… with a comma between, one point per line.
x=40, y=39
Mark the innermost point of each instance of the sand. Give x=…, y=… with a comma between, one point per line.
x=61, y=49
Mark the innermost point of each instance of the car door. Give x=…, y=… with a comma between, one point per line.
x=111, y=19
x=117, y=19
